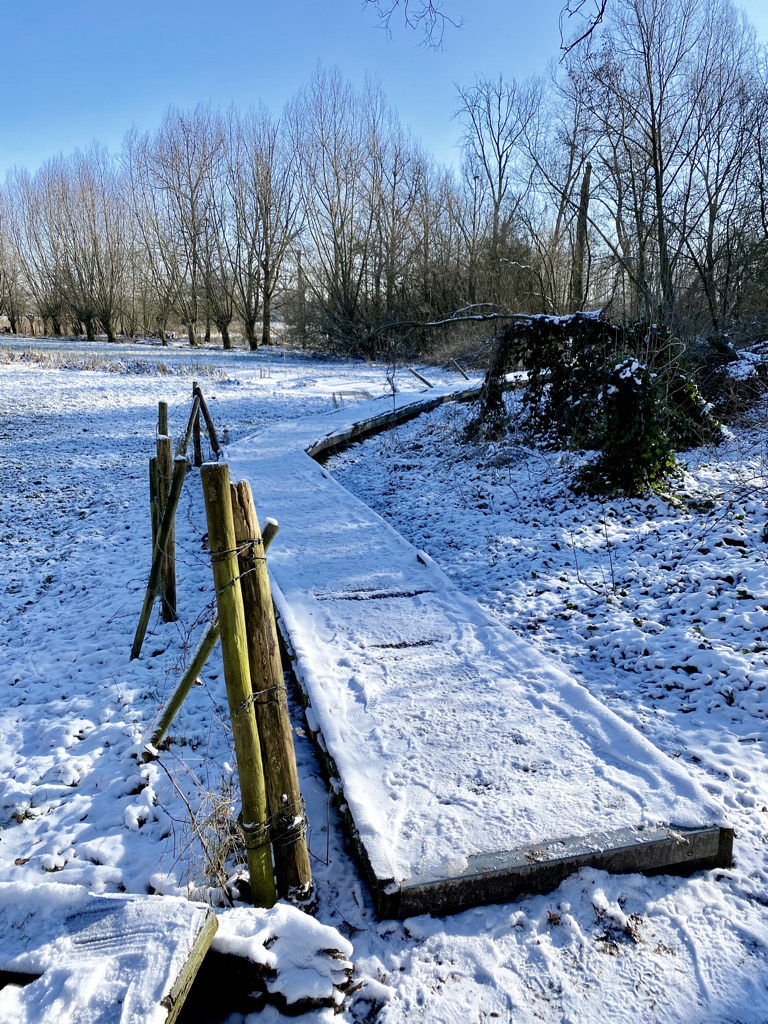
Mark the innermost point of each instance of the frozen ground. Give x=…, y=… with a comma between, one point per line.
x=660, y=610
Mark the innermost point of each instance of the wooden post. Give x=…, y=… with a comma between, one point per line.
x=197, y=447
x=234, y=649
x=179, y=471
x=284, y=803
x=154, y=502
x=209, y=424
x=168, y=576
x=193, y=419
x=460, y=369
x=203, y=652
x=162, y=418
x=271, y=526
x=422, y=379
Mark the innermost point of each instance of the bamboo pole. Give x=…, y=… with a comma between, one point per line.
x=209, y=424
x=194, y=418
x=154, y=501
x=234, y=649
x=422, y=379
x=168, y=574
x=197, y=447
x=201, y=655
x=179, y=471
x=284, y=803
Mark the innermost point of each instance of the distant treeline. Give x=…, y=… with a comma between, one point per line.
x=634, y=175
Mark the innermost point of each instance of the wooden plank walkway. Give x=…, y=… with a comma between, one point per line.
x=469, y=767
x=67, y=955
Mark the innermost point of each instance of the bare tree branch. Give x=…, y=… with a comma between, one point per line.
x=426, y=15
x=575, y=8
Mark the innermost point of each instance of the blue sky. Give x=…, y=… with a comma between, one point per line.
x=80, y=70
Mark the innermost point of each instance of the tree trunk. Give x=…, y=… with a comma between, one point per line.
x=192, y=334
x=226, y=341
x=266, y=320
x=577, y=276
x=110, y=331
x=250, y=334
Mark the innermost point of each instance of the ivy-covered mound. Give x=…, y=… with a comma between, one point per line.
x=600, y=386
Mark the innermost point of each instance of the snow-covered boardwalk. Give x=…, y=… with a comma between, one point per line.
x=472, y=768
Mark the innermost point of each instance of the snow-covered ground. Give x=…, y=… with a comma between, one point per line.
x=660, y=609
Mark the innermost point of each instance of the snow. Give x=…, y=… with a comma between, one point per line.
x=311, y=959
x=74, y=525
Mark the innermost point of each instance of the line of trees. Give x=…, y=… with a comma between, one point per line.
x=634, y=174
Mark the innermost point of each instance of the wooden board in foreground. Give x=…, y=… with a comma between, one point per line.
x=67, y=955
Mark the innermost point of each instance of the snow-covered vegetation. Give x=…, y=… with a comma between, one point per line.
x=658, y=605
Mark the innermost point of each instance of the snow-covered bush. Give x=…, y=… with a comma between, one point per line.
x=635, y=452
x=599, y=386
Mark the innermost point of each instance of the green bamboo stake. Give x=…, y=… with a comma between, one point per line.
x=188, y=680
x=179, y=471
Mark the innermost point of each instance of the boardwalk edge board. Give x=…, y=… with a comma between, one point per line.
x=506, y=876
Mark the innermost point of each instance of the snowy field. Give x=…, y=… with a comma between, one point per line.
x=660, y=609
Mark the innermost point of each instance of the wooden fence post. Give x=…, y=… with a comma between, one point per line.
x=168, y=575
x=179, y=471
x=215, y=446
x=193, y=419
x=234, y=649
x=460, y=369
x=419, y=377
x=201, y=655
x=271, y=526
x=197, y=448
x=162, y=418
x=284, y=802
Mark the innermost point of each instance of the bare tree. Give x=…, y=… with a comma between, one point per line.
x=495, y=115
x=579, y=19
x=28, y=206
x=328, y=126
x=170, y=183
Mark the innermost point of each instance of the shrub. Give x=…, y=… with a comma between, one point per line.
x=635, y=451
x=587, y=388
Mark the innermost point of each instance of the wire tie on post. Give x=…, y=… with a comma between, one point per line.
x=246, y=705
x=256, y=835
